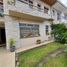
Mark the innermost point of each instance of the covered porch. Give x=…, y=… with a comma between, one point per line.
x=2, y=33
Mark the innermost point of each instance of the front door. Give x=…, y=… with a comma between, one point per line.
x=2, y=37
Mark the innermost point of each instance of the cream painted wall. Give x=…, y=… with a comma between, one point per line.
x=31, y=41
x=12, y=31
x=12, y=23
x=24, y=8
x=42, y=37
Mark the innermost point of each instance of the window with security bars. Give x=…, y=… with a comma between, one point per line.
x=47, y=30
x=28, y=30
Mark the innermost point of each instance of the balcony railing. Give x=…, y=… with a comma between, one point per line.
x=1, y=8
x=33, y=6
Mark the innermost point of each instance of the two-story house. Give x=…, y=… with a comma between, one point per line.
x=27, y=21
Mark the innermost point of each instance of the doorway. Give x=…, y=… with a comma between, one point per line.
x=2, y=37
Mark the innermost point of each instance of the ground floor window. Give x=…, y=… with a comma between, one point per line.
x=47, y=30
x=28, y=30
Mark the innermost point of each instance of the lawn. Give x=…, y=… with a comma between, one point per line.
x=31, y=57
x=59, y=61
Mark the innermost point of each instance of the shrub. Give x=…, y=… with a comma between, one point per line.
x=60, y=32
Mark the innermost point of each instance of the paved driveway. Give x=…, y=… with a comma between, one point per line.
x=7, y=59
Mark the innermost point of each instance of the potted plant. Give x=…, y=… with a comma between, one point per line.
x=12, y=45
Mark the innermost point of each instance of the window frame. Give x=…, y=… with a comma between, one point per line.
x=30, y=3
x=29, y=30
x=39, y=7
x=46, y=10
x=47, y=29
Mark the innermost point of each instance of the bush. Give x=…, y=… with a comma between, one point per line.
x=60, y=32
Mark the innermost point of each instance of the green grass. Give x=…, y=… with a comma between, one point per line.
x=59, y=61
x=31, y=57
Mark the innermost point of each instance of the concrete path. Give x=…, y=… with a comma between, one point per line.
x=7, y=59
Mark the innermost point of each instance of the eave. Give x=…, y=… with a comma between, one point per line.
x=49, y=2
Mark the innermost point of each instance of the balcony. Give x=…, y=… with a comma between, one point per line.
x=24, y=7
x=1, y=8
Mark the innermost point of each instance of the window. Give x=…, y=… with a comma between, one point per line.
x=53, y=12
x=47, y=30
x=28, y=30
x=39, y=7
x=23, y=1
x=31, y=3
x=46, y=10
x=26, y=0
x=58, y=16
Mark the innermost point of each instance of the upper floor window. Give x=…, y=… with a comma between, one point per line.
x=46, y=10
x=53, y=12
x=31, y=3
x=39, y=7
x=26, y=0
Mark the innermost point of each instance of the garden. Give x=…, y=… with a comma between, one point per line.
x=48, y=55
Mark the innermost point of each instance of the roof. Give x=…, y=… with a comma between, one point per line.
x=49, y=2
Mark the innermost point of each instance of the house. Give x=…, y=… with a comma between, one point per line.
x=26, y=21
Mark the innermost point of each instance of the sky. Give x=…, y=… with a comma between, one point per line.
x=64, y=2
